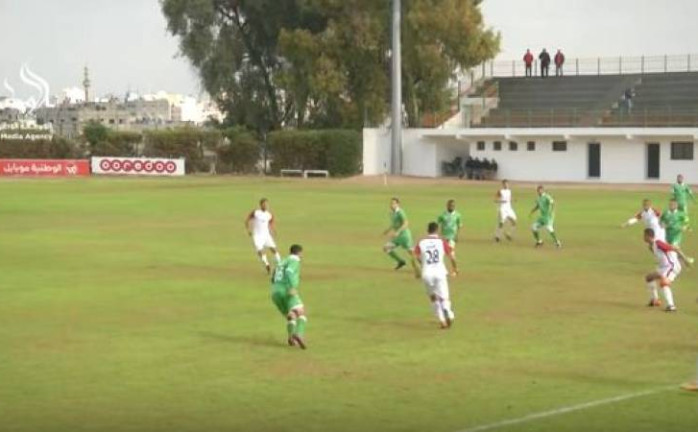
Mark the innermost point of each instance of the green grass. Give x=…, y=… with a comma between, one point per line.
x=138, y=305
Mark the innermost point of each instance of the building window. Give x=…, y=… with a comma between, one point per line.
x=682, y=151
x=513, y=146
x=480, y=146
x=559, y=146
x=531, y=146
x=497, y=146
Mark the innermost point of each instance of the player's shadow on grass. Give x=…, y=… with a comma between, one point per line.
x=242, y=340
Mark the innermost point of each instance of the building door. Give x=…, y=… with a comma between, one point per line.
x=594, y=160
x=652, y=161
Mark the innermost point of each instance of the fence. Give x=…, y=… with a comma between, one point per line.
x=585, y=66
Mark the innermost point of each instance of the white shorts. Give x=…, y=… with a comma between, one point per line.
x=436, y=285
x=506, y=213
x=262, y=242
x=670, y=272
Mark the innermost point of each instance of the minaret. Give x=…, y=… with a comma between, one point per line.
x=86, y=84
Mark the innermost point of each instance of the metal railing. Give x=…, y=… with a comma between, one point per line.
x=573, y=117
x=587, y=66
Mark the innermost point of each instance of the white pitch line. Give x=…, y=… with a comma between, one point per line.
x=566, y=410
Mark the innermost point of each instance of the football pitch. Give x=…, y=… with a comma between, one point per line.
x=139, y=305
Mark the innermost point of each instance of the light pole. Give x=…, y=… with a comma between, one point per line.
x=396, y=141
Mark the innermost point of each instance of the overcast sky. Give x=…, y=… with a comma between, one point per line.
x=125, y=43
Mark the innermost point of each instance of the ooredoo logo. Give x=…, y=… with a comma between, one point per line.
x=137, y=166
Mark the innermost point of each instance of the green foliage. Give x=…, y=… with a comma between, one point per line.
x=117, y=144
x=338, y=151
x=325, y=63
x=344, y=152
x=56, y=148
x=240, y=153
x=103, y=141
x=188, y=143
x=95, y=133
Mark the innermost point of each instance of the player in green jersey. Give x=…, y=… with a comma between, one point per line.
x=674, y=222
x=681, y=192
x=284, y=294
x=545, y=205
x=401, y=237
x=450, y=223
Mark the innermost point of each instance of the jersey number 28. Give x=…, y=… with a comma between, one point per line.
x=433, y=256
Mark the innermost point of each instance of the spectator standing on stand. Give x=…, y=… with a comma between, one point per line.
x=544, y=58
x=528, y=61
x=628, y=97
x=559, y=62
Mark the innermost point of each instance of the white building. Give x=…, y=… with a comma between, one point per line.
x=568, y=129
x=608, y=155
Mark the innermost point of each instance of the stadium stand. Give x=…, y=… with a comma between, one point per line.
x=661, y=99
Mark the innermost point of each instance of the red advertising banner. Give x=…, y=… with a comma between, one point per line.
x=43, y=168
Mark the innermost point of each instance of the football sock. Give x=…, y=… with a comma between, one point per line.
x=498, y=233
x=277, y=258
x=668, y=296
x=291, y=327
x=438, y=311
x=554, y=237
x=264, y=259
x=536, y=236
x=446, y=306
x=300, y=328
x=652, y=288
x=395, y=256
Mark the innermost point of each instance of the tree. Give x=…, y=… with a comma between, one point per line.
x=325, y=63
x=95, y=133
x=440, y=37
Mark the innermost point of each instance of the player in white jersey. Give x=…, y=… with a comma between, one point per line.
x=431, y=253
x=668, y=269
x=261, y=230
x=505, y=213
x=650, y=216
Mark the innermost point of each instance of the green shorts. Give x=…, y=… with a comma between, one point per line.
x=674, y=238
x=404, y=240
x=284, y=302
x=542, y=222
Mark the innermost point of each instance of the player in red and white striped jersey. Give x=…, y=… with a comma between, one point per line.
x=650, y=217
x=431, y=253
x=668, y=269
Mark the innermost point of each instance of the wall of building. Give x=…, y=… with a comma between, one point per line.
x=622, y=161
x=623, y=153
x=376, y=158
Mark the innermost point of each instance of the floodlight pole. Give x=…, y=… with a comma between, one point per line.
x=396, y=142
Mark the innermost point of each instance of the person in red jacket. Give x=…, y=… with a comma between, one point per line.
x=559, y=62
x=528, y=61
